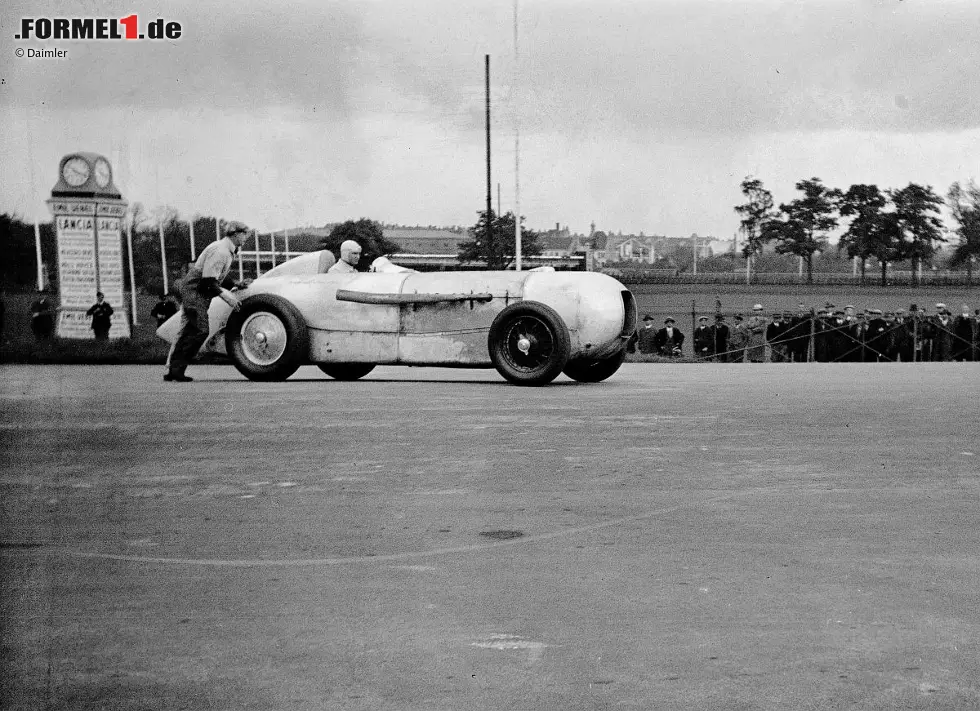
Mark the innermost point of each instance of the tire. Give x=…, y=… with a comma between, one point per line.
x=586, y=370
x=267, y=338
x=529, y=343
x=346, y=371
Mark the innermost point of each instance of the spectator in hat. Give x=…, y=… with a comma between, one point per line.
x=858, y=333
x=738, y=339
x=877, y=338
x=821, y=333
x=839, y=344
x=775, y=337
x=163, y=309
x=720, y=333
x=942, y=335
x=976, y=334
x=42, y=316
x=669, y=340
x=903, y=337
x=704, y=339
x=797, y=333
x=927, y=333
x=647, y=336
x=101, y=314
x=963, y=335
x=921, y=328
x=755, y=352
x=892, y=337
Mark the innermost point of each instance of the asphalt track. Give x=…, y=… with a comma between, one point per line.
x=679, y=537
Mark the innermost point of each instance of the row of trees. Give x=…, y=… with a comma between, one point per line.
x=890, y=226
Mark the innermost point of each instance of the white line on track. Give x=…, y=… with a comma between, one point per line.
x=411, y=555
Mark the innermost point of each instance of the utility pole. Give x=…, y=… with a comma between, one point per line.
x=694, y=239
x=37, y=249
x=132, y=272
x=163, y=258
x=518, y=247
x=490, y=244
x=190, y=222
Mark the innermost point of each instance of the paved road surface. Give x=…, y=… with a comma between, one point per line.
x=680, y=537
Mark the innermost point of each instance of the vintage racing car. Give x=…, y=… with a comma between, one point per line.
x=529, y=325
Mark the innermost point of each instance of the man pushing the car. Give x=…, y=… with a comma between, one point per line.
x=202, y=283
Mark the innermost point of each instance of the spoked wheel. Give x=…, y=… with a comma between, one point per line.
x=586, y=370
x=267, y=338
x=529, y=343
x=346, y=371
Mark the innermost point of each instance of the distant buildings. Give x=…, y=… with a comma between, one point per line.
x=427, y=240
x=558, y=242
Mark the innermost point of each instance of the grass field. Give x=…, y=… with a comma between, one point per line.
x=658, y=300
x=20, y=346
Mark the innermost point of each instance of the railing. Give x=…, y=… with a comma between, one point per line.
x=896, y=278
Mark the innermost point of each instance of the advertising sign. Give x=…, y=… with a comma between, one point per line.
x=90, y=259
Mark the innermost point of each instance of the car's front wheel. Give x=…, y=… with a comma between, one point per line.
x=529, y=343
x=346, y=371
x=591, y=370
x=267, y=338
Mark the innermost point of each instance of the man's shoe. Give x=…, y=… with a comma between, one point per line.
x=172, y=378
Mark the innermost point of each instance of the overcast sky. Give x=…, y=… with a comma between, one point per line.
x=638, y=116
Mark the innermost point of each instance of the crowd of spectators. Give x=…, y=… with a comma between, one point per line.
x=825, y=335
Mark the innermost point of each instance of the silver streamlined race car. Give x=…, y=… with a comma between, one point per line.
x=529, y=325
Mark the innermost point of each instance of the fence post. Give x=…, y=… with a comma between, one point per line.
x=694, y=322
x=811, y=348
x=915, y=339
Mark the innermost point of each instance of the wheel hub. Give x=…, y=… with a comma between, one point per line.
x=264, y=338
x=529, y=343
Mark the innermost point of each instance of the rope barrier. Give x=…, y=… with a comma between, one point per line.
x=818, y=328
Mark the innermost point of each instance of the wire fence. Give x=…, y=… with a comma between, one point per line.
x=813, y=338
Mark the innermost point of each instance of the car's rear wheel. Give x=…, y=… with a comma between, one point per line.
x=591, y=370
x=267, y=338
x=529, y=343
x=346, y=371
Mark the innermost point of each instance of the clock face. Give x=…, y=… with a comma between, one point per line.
x=103, y=173
x=75, y=172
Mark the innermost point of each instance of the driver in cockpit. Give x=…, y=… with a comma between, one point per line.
x=350, y=255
